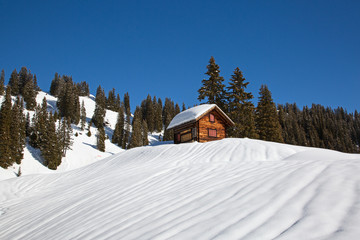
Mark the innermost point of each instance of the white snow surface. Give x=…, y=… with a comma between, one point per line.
x=228, y=189
x=190, y=114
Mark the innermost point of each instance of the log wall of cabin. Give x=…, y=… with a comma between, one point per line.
x=184, y=130
x=204, y=125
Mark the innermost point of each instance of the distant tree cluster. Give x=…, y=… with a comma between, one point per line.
x=320, y=127
x=315, y=127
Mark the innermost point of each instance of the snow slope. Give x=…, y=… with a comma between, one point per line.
x=228, y=189
x=83, y=150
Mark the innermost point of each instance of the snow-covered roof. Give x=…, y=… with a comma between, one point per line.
x=193, y=114
x=190, y=114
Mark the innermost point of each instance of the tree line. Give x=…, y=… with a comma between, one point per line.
x=51, y=132
x=317, y=126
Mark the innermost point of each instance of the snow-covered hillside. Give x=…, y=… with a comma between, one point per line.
x=228, y=189
x=83, y=151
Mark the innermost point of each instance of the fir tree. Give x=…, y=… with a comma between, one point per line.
x=158, y=114
x=100, y=142
x=29, y=93
x=212, y=90
x=83, y=116
x=183, y=107
x=136, y=136
x=17, y=131
x=240, y=108
x=99, y=112
x=118, y=135
x=51, y=149
x=145, y=140
x=2, y=82
x=64, y=134
x=168, y=115
x=14, y=83
x=6, y=158
x=267, y=122
x=150, y=114
x=57, y=85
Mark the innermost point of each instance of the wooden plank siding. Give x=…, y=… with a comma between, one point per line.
x=204, y=125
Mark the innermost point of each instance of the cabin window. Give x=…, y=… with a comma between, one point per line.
x=212, y=117
x=186, y=137
x=178, y=137
x=212, y=133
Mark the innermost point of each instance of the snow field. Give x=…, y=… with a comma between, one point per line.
x=228, y=189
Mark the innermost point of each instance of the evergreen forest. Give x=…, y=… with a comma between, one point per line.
x=23, y=121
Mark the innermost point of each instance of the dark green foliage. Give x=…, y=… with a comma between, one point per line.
x=136, y=136
x=240, y=108
x=99, y=112
x=267, y=122
x=149, y=114
x=36, y=87
x=112, y=102
x=29, y=93
x=2, y=82
x=14, y=83
x=64, y=134
x=118, y=135
x=6, y=159
x=145, y=140
x=83, y=89
x=82, y=116
x=320, y=127
x=168, y=115
x=100, y=140
x=17, y=131
x=158, y=115
x=212, y=90
x=51, y=148
x=68, y=100
x=183, y=107
x=57, y=85
x=28, y=125
x=127, y=102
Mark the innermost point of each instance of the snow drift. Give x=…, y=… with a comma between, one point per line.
x=229, y=189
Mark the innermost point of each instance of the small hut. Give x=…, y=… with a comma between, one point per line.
x=203, y=123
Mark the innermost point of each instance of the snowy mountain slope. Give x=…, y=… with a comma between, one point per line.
x=229, y=189
x=83, y=151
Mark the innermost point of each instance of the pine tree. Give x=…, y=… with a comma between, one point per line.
x=267, y=121
x=29, y=93
x=136, y=136
x=183, y=107
x=36, y=86
x=127, y=102
x=57, y=85
x=212, y=90
x=68, y=101
x=83, y=116
x=110, y=100
x=145, y=140
x=118, y=135
x=158, y=114
x=99, y=112
x=51, y=149
x=6, y=158
x=240, y=108
x=2, y=82
x=150, y=114
x=168, y=115
x=100, y=143
x=64, y=134
x=14, y=83
x=17, y=131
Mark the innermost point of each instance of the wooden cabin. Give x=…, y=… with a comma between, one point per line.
x=203, y=123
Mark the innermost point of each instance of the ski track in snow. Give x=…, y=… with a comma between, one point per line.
x=229, y=189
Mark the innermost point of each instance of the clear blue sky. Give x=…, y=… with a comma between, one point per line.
x=305, y=51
